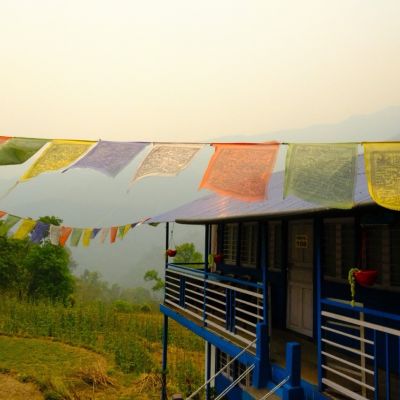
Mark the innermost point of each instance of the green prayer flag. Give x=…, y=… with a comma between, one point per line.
x=18, y=150
x=7, y=224
x=76, y=236
x=322, y=173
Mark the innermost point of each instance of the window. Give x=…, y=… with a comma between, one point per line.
x=381, y=251
x=248, y=244
x=275, y=246
x=338, y=247
x=230, y=243
x=247, y=234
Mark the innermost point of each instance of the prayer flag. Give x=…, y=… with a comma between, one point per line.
x=382, y=168
x=54, y=235
x=241, y=170
x=127, y=227
x=110, y=157
x=167, y=159
x=23, y=230
x=75, y=236
x=19, y=150
x=95, y=232
x=2, y=214
x=113, y=233
x=4, y=139
x=64, y=235
x=87, y=234
x=322, y=173
x=8, y=223
x=59, y=154
x=103, y=235
x=39, y=232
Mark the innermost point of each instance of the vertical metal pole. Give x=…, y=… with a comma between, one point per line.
x=208, y=370
x=165, y=329
x=206, y=251
x=164, y=359
x=318, y=276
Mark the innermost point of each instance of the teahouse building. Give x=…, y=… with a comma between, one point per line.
x=274, y=303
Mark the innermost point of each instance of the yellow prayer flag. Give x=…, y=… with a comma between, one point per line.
x=126, y=228
x=87, y=234
x=23, y=230
x=382, y=168
x=59, y=154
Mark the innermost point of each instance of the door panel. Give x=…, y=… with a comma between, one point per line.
x=300, y=277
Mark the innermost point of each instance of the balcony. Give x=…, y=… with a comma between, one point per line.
x=226, y=306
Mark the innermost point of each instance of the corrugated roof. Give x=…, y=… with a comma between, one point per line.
x=215, y=208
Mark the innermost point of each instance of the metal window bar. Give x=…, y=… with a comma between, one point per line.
x=235, y=382
x=222, y=369
x=273, y=390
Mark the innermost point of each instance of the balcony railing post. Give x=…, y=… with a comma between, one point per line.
x=261, y=371
x=293, y=389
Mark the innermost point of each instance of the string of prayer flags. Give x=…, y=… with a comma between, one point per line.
x=8, y=223
x=24, y=229
x=113, y=233
x=382, y=168
x=39, y=232
x=75, y=236
x=59, y=154
x=64, y=235
x=18, y=150
x=167, y=160
x=241, y=170
x=87, y=234
x=109, y=157
x=322, y=173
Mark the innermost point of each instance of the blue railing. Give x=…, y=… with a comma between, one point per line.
x=360, y=351
x=230, y=306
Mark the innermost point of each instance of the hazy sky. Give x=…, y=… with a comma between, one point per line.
x=192, y=70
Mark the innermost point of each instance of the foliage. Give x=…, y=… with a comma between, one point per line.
x=187, y=253
x=152, y=275
x=133, y=339
x=35, y=270
x=49, y=274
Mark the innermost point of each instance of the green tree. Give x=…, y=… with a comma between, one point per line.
x=49, y=274
x=35, y=270
x=187, y=253
x=152, y=276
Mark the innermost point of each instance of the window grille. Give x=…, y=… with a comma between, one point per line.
x=230, y=243
x=248, y=245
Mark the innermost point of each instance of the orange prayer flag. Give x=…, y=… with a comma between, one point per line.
x=2, y=214
x=4, y=139
x=241, y=170
x=113, y=233
x=64, y=235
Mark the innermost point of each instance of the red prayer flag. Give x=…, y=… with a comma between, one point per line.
x=241, y=170
x=2, y=214
x=64, y=235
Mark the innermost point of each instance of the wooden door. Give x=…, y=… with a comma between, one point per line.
x=300, y=277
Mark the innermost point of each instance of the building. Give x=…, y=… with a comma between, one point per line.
x=278, y=301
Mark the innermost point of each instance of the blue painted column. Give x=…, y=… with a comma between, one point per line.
x=262, y=369
x=292, y=389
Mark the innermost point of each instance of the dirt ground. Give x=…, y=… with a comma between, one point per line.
x=12, y=389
